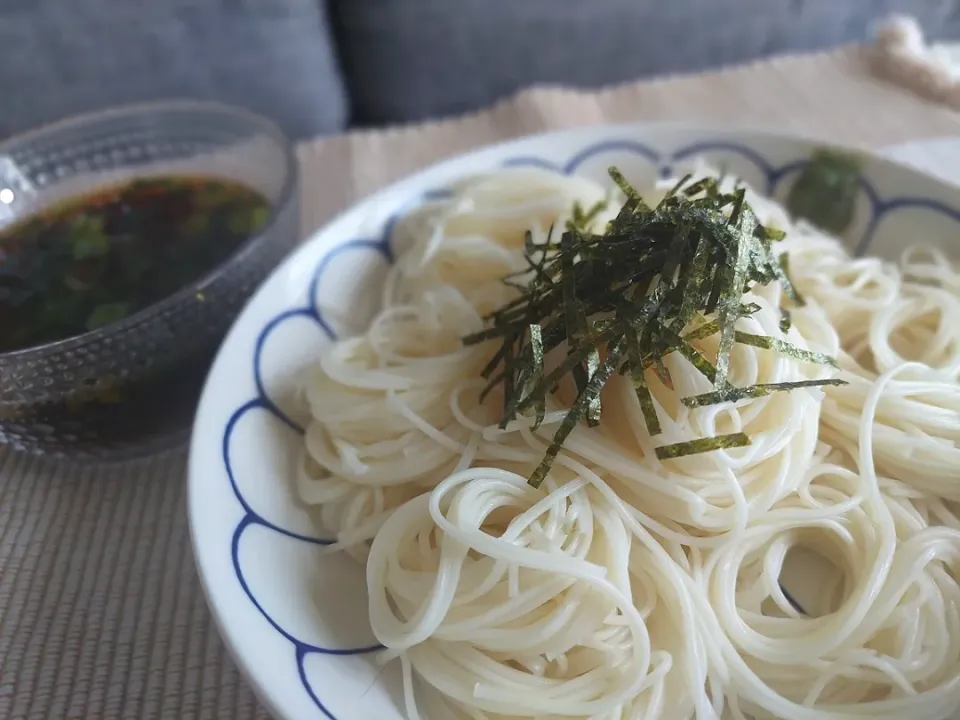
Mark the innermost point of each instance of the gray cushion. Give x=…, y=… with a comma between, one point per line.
x=409, y=59
x=59, y=57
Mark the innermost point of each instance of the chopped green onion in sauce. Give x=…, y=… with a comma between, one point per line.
x=96, y=259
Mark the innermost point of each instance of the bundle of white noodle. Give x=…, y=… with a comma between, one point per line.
x=811, y=575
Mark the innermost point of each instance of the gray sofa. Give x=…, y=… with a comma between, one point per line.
x=320, y=66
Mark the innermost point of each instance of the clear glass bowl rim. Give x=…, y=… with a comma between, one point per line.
x=146, y=109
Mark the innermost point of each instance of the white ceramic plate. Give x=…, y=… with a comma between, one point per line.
x=296, y=619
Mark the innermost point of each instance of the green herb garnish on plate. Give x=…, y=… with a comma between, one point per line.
x=826, y=191
x=623, y=300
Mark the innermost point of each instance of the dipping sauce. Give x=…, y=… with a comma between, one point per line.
x=95, y=259
x=136, y=418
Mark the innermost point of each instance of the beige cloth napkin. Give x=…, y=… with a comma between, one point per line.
x=834, y=96
x=101, y=613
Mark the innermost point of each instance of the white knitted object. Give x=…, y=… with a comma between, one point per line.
x=902, y=55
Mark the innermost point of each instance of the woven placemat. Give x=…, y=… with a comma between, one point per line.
x=101, y=612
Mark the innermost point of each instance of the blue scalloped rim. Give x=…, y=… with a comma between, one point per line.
x=774, y=175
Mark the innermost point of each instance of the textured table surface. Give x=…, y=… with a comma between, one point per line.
x=101, y=612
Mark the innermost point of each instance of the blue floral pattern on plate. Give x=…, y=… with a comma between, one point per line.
x=768, y=176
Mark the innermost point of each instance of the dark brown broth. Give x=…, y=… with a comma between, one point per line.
x=95, y=259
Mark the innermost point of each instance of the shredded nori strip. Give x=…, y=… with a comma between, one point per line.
x=786, y=321
x=732, y=394
x=784, y=348
x=701, y=445
x=656, y=281
x=536, y=370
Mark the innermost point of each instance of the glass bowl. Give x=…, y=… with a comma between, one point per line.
x=130, y=387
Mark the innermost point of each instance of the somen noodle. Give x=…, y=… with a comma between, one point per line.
x=810, y=574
